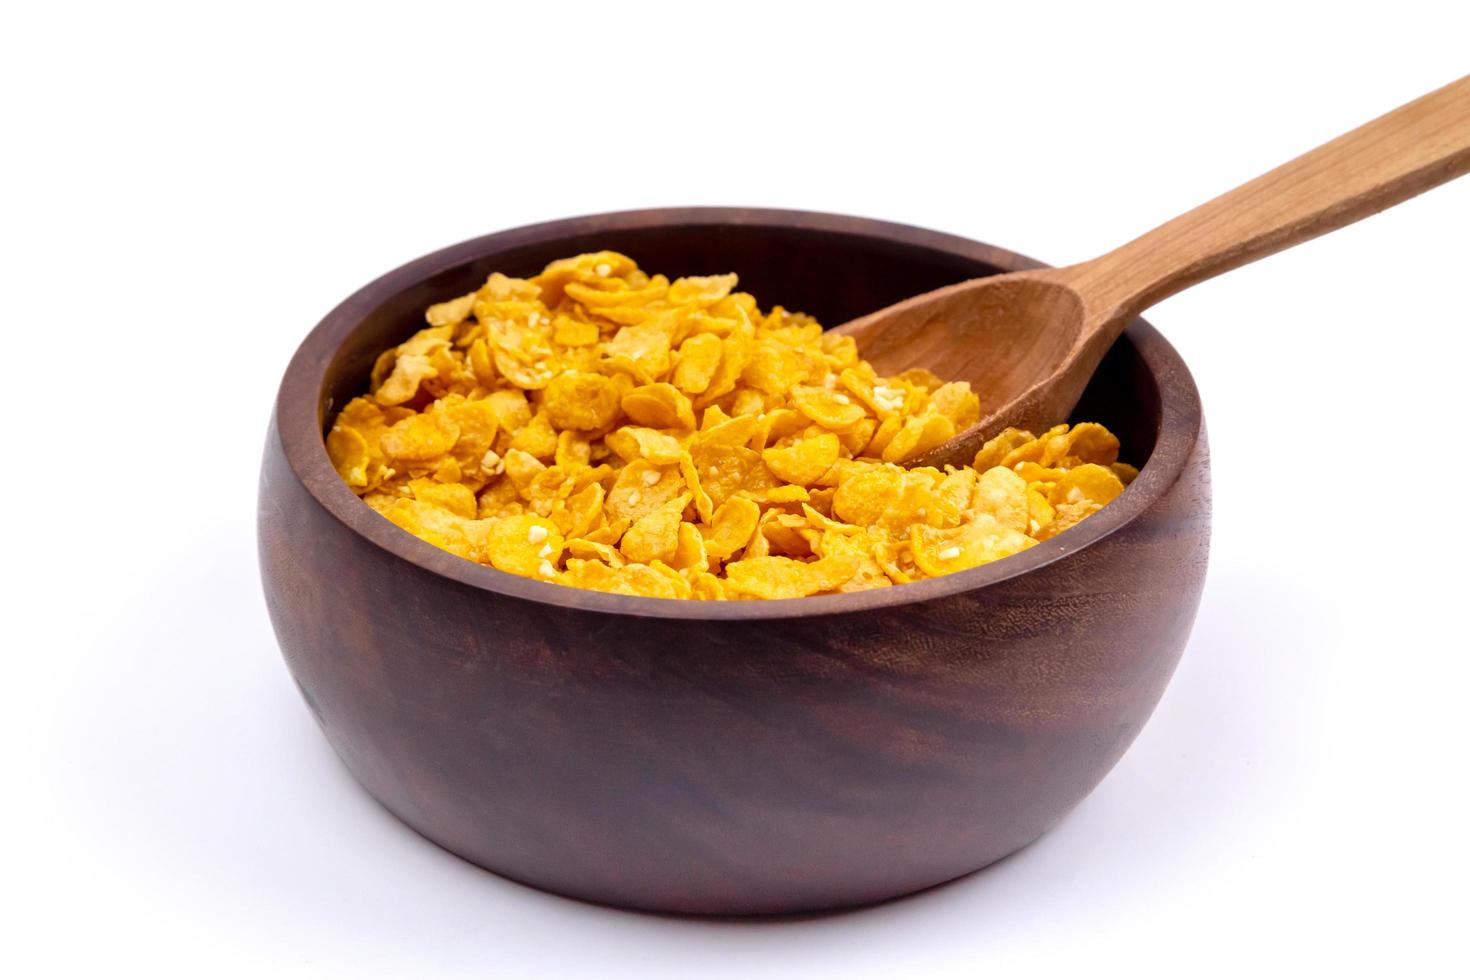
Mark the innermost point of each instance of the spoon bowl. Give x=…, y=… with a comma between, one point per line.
x=1000, y=334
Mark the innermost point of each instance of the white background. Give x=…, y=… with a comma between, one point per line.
x=186, y=191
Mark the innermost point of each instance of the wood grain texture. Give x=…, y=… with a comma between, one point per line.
x=1030, y=342
x=731, y=758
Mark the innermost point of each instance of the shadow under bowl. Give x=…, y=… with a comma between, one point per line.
x=741, y=757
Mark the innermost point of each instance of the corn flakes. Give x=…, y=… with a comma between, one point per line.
x=602, y=428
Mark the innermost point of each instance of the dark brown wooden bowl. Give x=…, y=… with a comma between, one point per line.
x=742, y=757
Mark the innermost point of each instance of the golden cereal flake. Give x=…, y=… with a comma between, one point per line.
x=804, y=462
x=655, y=535
x=522, y=544
x=774, y=577
x=420, y=437
x=581, y=400
x=698, y=358
x=348, y=451
x=659, y=406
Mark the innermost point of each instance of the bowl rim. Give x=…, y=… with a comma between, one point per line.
x=299, y=399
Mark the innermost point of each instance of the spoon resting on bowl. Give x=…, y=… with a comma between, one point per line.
x=1028, y=342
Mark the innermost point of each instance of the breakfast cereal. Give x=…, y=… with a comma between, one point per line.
x=599, y=427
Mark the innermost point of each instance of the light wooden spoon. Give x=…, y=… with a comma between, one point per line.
x=1029, y=341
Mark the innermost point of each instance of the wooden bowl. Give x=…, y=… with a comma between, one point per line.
x=742, y=757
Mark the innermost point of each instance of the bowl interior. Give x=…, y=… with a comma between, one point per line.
x=831, y=266
x=832, y=275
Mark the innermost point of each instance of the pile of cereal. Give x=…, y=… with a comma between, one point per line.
x=606, y=429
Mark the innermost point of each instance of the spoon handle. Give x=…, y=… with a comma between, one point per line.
x=1411, y=149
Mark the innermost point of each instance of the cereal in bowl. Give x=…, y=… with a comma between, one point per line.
x=602, y=428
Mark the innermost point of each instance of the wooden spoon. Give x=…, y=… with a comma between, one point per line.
x=1029, y=341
